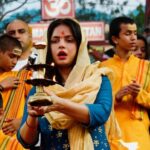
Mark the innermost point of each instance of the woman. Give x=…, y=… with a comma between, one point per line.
x=81, y=101
x=141, y=50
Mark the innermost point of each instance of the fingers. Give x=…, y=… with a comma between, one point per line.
x=35, y=110
x=48, y=92
x=16, y=83
x=134, y=88
x=50, y=108
x=40, y=111
x=7, y=120
x=8, y=127
x=12, y=79
x=134, y=84
x=121, y=93
x=10, y=82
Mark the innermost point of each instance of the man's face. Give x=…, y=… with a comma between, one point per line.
x=18, y=29
x=126, y=41
x=9, y=58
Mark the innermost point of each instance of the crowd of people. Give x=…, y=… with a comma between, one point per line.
x=94, y=105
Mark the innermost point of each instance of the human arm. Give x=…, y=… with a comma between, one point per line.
x=28, y=128
x=81, y=112
x=91, y=114
x=78, y=112
x=100, y=110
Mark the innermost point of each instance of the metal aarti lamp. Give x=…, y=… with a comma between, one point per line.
x=40, y=98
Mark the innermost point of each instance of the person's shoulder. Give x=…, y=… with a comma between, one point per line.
x=108, y=61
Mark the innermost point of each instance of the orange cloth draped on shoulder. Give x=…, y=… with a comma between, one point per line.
x=16, y=108
x=131, y=113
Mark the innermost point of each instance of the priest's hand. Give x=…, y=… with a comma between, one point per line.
x=11, y=126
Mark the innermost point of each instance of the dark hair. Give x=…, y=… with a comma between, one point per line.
x=115, y=29
x=141, y=37
x=75, y=29
x=7, y=43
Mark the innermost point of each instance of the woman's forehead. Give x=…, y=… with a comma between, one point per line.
x=62, y=30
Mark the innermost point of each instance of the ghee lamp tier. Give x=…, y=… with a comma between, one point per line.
x=40, y=98
x=40, y=46
x=41, y=54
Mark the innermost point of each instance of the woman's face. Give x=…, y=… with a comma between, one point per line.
x=140, y=49
x=63, y=46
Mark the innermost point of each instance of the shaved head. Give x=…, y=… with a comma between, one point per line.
x=21, y=31
x=17, y=21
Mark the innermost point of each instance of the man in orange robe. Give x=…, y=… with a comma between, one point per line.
x=13, y=90
x=131, y=88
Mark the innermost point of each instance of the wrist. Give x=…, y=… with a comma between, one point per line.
x=30, y=126
x=32, y=116
x=31, y=122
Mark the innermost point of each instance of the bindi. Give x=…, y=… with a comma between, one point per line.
x=62, y=33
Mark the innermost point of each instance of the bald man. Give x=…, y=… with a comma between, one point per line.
x=20, y=30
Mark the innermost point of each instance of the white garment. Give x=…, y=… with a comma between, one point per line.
x=130, y=145
x=20, y=64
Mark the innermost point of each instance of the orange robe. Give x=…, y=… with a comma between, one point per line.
x=16, y=108
x=131, y=113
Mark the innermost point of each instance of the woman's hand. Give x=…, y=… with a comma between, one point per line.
x=78, y=112
x=57, y=102
x=36, y=111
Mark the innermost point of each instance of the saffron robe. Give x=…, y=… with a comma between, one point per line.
x=131, y=113
x=10, y=142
